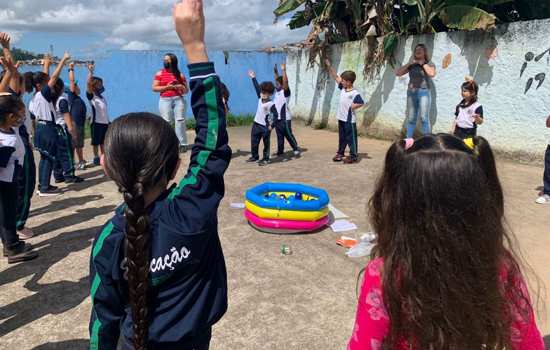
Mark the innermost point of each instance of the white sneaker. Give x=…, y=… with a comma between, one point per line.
x=81, y=165
x=544, y=199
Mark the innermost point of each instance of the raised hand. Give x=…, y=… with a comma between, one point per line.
x=189, y=24
x=7, y=62
x=283, y=67
x=66, y=57
x=251, y=74
x=47, y=59
x=327, y=62
x=71, y=65
x=5, y=40
x=91, y=67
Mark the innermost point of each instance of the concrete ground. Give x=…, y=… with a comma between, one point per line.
x=302, y=301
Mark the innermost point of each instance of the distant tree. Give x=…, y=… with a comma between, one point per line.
x=23, y=55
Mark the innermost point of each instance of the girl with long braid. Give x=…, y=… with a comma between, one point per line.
x=158, y=277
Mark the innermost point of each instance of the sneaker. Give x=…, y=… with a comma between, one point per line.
x=297, y=153
x=338, y=158
x=96, y=161
x=252, y=160
x=81, y=165
x=74, y=180
x=264, y=162
x=24, y=252
x=59, y=180
x=25, y=233
x=49, y=192
x=544, y=199
x=350, y=160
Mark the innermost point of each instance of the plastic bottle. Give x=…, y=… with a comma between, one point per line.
x=364, y=247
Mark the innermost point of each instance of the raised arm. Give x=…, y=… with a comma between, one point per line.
x=46, y=64
x=203, y=187
x=286, y=88
x=252, y=76
x=548, y=122
x=401, y=71
x=89, y=91
x=72, y=84
x=5, y=83
x=14, y=82
x=275, y=72
x=332, y=72
x=429, y=69
x=58, y=70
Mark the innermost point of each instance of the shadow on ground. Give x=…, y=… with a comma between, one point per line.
x=46, y=298
x=75, y=344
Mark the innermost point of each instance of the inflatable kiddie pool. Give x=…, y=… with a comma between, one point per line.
x=286, y=208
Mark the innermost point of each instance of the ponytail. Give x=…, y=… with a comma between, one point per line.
x=137, y=253
x=486, y=159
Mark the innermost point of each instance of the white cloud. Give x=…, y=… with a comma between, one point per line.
x=136, y=45
x=231, y=24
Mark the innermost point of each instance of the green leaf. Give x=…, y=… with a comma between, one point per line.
x=467, y=18
x=287, y=6
x=298, y=20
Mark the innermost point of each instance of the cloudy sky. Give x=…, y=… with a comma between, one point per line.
x=87, y=27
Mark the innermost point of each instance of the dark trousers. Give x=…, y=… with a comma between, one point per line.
x=260, y=132
x=347, y=137
x=547, y=171
x=8, y=200
x=26, y=182
x=464, y=133
x=284, y=131
x=46, y=143
x=64, y=163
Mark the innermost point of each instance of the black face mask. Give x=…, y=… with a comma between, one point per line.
x=166, y=65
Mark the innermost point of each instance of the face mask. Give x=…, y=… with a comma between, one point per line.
x=166, y=65
x=100, y=90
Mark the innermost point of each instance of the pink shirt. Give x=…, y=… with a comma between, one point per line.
x=372, y=322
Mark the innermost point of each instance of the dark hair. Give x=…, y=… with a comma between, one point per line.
x=279, y=80
x=94, y=83
x=267, y=87
x=9, y=103
x=33, y=79
x=438, y=209
x=349, y=76
x=58, y=89
x=225, y=94
x=141, y=153
x=174, y=66
x=426, y=55
x=472, y=87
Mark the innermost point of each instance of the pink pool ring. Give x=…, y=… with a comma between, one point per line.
x=284, y=226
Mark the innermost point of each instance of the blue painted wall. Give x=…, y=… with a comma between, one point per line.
x=128, y=76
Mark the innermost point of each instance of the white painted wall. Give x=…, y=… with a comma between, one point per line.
x=514, y=120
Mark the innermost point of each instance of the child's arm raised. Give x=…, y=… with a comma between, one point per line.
x=252, y=76
x=548, y=122
x=46, y=64
x=5, y=83
x=72, y=84
x=89, y=92
x=286, y=87
x=197, y=196
x=58, y=69
x=15, y=78
x=332, y=72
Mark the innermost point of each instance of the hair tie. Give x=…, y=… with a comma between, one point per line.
x=469, y=142
x=408, y=143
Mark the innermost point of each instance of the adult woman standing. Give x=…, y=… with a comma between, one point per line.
x=420, y=69
x=172, y=86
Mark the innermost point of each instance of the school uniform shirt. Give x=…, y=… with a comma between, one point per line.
x=266, y=113
x=41, y=105
x=99, y=108
x=12, y=152
x=282, y=98
x=465, y=114
x=61, y=108
x=347, y=99
x=188, y=279
x=77, y=108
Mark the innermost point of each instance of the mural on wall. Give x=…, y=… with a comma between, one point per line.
x=540, y=77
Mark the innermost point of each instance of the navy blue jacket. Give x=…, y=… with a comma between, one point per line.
x=78, y=108
x=188, y=279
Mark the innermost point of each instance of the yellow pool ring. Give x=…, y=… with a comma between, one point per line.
x=266, y=213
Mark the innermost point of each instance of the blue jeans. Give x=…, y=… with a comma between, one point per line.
x=173, y=109
x=418, y=104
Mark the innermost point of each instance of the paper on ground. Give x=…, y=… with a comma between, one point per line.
x=237, y=205
x=342, y=226
x=336, y=213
